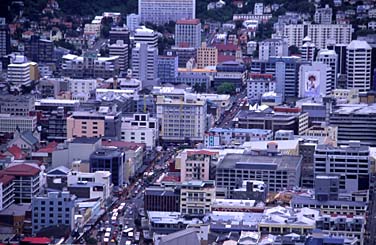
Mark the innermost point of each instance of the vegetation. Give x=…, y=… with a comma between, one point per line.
x=226, y=88
x=199, y=87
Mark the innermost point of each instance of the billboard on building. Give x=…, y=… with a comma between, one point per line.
x=311, y=83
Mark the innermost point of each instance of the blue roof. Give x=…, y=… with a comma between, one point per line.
x=240, y=130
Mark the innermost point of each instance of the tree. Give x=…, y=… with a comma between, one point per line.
x=199, y=87
x=91, y=241
x=226, y=88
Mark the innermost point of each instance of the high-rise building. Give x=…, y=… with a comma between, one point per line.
x=321, y=34
x=308, y=49
x=4, y=38
x=358, y=65
x=119, y=33
x=39, y=50
x=323, y=15
x=120, y=49
x=133, y=21
x=272, y=47
x=258, y=9
x=56, y=208
x=340, y=50
x=160, y=12
x=330, y=58
x=315, y=80
x=206, y=56
x=143, y=34
x=145, y=64
x=168, y=67
x=19, y=73
x=181, y=119
x=188, y=33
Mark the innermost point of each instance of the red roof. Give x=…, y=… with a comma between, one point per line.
x=37, y=240
x=21, y=170
x=188, y=22
x=287, y=109
x=6, y=179
x=202, y=152
x=226, y=47
x=16, y=152
x=122, y=144
x=171, y=178
x=224, y=58
x=49, y=148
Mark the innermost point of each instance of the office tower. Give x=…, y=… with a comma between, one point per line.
x=258, y=9
x=133, y=21
x=4, y=38
x=273, y=47
x=39, y=50
x=19, y=73
x=308, y=49
x=168, y=67
x=358, y=65
x=55, y=208
x=160, y=12
x=315, y=80
x=181, y=119
x=119, y=33
x=341, y=51
x=351, y=163
x=145, y=64
x=330, y=58
x=188, y=33
x=143, y=34
x=321, y=34
x=323, y=15
x=206, y=56
x=120, y=49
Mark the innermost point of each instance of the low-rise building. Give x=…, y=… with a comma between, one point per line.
x=259, y=84
x=10, y=123
x=159, y=198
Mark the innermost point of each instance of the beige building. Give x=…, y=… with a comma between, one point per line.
x=195, y=164
x=206, y=56
x=85, y=124
x=196, y=197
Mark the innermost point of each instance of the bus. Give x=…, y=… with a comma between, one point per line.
x=127, y=230
x=108, y=230
x=106, y=240
x=130, y=234
x=113, y=220
x=107, y=235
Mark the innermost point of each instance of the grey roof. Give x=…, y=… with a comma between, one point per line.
x=349, y=148
x=61, y=170
x=183, y=237
x=85, y=140
x=29, y=137
x=304, y=200
x=248, y=161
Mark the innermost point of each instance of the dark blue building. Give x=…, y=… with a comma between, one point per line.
x=230, y=72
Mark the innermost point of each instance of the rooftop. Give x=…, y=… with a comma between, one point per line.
x=240, y=130
x=306, y=200
x=188, y=22
x=16, y=209
x=85, y=140
x=21, y=170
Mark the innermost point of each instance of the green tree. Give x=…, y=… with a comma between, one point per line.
x=226, y=88
x=91, y=241
x=199, y=87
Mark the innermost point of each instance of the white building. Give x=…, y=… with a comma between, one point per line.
x=188, y=33
x=143, y=34
x=182, y=119
x=308, y=49
x=160, y=12
x=140, y=128
x=315, y=80
x=323, y=15
x=9, y=123
x=19, y=73
x=259, y=84
x=258, y=9
x=330, y=58
x=133, y=21
x=120, y=49
x=145, y=64
x=320, y=34
x=82, y=87
x=273, y=47
x=358, y=65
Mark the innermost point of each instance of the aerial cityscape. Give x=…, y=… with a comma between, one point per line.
x=188, y=122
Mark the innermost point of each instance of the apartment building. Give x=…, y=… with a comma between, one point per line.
x=161, y=12
x=56, y=208
x=196, y=164
x=323, y=15
x=181, y=119
x=272, y=47
x=358, y=65
x=188, y=33
x=196, y=196
x=351, y=163
x=133, y=21
x=4, y=38
x=206, y=56
x=9, y=123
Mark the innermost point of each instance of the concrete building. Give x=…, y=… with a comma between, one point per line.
x=330, y=58
x=9, y=123
x=145, y=64
x=196, y=164
x=259, y=84
x=308, y=49
x=217, y=137
x=351, y=163
x=201, y=77
x=119, y=33
x=168, y=68
x=278, y=172
x=4, y=38
x=358, y=65
x=185, y=55
x=120, y=49
x=323, y=15
x=143, y=34
x=272, y=47
x=39, y=50
x=133, y=21
x=6, y=191
x=140, y=128
x=258, y=9
x=188, y=33
x=181, y=119
x=102, y=123
x=161, y=12
x=20, y=73
x=251, y=190
x=321, y=34
x=206, y=56
x=315, y=80
x=196, y=196
x=160, y=198
x=232, y=72
x=109, y=159
x=20, y=105
x=82, y=87
x=57, y=208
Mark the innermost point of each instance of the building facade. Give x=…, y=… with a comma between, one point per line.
x=188, y=33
